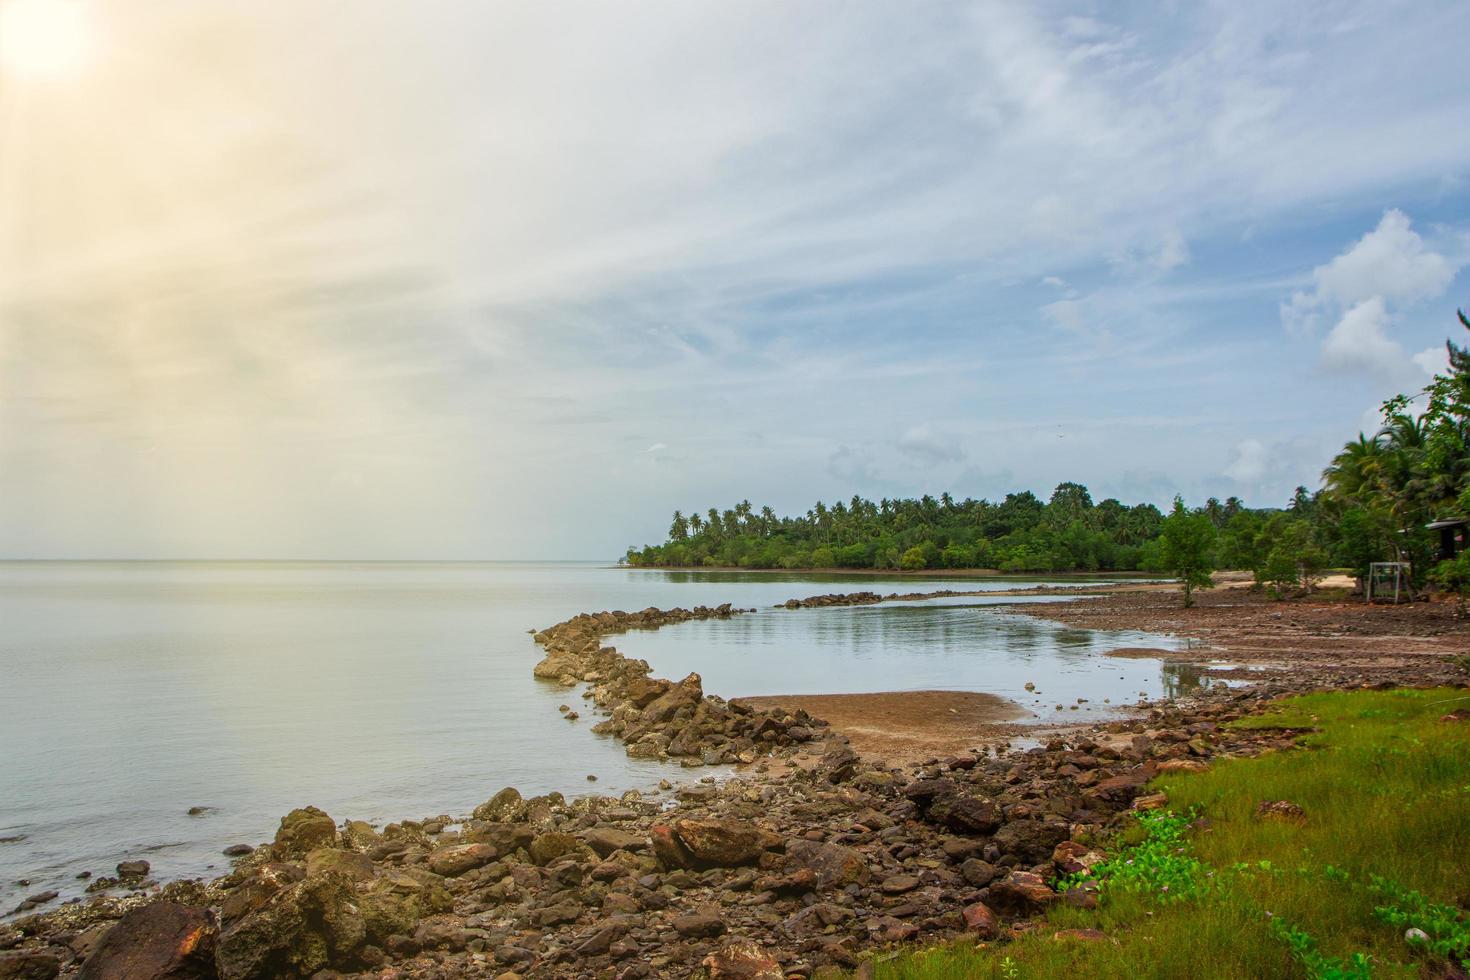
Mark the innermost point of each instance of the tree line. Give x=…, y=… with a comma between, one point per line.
x=1376, y=498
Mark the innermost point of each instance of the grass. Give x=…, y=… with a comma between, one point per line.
x=1384, y=848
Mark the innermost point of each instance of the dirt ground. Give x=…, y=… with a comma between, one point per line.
x=905, y=726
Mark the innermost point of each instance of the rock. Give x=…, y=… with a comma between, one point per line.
x=1021, y=892
x=257, y=889
x=966, y=814
x=303, y=830
x=981, y=921
x=238, y=850
x=888, y=929
x=394, y=904
x=667, y=847
x=305, y=927
x=977, y=872
x=899, y=884
x=799, y=882
x=1151, y=801
x=505, y=806
x=1183, y=765
x=834, y=865
x=326, y=860
x=36, y=900
x=1032, y=841
x=27, y=964
x=742, y=961
x=700, y=925
x=1284, y=810
x=605, y=840
x=687, y=693
x=1072, y=858
x=721, y=843
x=360, y=835
x=453, y=860
x=133, y=869
x=550, y=846
x=162, y=941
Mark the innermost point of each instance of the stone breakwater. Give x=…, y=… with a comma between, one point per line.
x=657, y=718
x=870, y=598
x=767, y=876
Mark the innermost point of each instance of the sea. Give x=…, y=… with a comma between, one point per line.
x=134, y=692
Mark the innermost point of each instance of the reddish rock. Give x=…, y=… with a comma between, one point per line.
x=162, y=941
x=723, y=843
x=1021, y=892
x=667, y=847
x=981, y=921
x=742, y=961
x=1284, y=810
x=1153, y=801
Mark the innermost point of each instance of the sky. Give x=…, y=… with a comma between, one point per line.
x=469, y=280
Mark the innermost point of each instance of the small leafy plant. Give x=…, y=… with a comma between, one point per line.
x=1446, y=931
x=1161, y=865
x=1318, y=966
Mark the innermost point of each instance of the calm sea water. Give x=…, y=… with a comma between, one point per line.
x=130, y=692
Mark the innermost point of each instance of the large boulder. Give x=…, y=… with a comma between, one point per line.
x=834, y=865
x=1032, y=841
x=606, y=840
x=554, y=845
x=28, y=964
x=712, y=843
x=742, y=961
x=687, y=693
x=506, y=805
x=305, y=927
x=453, y=860
x=1021, y=892
x=162, y=941
x=304, y=830
x=395, y=903
x=329, y=860
x=966, y=814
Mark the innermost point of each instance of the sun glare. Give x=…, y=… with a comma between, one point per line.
x=43, y=38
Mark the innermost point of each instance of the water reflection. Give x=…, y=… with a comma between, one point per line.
x=974, y=645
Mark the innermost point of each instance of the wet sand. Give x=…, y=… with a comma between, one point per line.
x=907, y=725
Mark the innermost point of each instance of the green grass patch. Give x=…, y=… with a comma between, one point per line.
x=1384, y=848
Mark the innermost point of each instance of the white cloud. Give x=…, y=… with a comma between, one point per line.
x=1302, y=314
x=1172, y=252
x=1065, y=313
x=1359, y=341
x=1433, y=360
x=1249, y=460
x=1388, y=267
x=924, y=444
x=1390, y=261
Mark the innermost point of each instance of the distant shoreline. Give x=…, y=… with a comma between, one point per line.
x=889, y=572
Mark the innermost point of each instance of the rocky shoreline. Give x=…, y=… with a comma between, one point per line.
x=656, y=718
x=784, y=873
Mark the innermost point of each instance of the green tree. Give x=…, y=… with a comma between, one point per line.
x=1186, y=549
x=1454, y=576
x=912, y=560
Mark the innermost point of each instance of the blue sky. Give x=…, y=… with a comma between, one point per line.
x=465, y=280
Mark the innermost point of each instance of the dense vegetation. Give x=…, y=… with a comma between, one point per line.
x=1368, y=884
x=1377, y=496
x=1021, y=533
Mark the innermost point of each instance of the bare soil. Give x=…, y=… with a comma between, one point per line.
x=905, y=726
